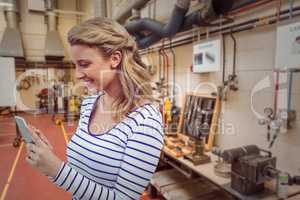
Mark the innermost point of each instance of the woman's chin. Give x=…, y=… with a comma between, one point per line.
x=92, y=89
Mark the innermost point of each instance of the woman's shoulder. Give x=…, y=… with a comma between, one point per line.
x=146, y=111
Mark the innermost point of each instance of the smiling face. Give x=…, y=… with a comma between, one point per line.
x=93, y=68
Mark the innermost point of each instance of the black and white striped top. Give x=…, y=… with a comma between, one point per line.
x=117, y=164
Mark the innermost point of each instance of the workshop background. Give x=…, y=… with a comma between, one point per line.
x=242, y=105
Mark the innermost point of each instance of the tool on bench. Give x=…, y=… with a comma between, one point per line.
x=198, y=156
x=188, y=120
x=199, y=122
x=186, y=114
x=249, y=168
x=207, y=112
x=197, y=119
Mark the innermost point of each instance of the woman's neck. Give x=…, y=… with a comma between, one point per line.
x=111, y=93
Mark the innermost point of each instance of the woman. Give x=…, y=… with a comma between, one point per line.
x=117, y=144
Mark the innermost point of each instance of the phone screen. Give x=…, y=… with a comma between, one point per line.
x=24, y=130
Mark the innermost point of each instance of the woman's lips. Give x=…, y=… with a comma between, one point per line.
x=88, y=83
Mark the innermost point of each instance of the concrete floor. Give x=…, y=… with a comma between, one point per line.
x=26, y=183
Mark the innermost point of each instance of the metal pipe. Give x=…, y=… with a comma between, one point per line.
x=126, y=12
x=205, y=15
x=178, y=21
x=162, y=54
x=157, y=29
x=100, y=8
x=51, y=21
x=10, y=13
x=234, y=55
x=276, y=90
x=248, y=25
x=221, y=7
x=50, y=4
x=290, y=87
x=224, y=59
x=242, y=3
x=11, y=19
x=249, y=7
x=174, y=67
x=159, y=65
x=166, y=68
x=54, y=49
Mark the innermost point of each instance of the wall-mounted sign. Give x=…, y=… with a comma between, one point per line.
x=207, y=56
x=288, y=46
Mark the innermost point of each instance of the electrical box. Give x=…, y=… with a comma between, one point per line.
x=207, y=56
x=288, y=46
x=36, y=5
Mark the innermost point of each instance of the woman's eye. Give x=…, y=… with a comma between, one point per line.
x=84, y=65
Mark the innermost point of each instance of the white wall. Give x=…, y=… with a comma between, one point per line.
x=255, y=61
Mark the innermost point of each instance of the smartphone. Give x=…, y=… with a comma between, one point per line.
x=23, y=128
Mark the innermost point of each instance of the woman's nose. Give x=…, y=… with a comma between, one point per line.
x=79, y=74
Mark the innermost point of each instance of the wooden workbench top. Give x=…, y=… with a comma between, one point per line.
x=207, y=170
x=297, y=197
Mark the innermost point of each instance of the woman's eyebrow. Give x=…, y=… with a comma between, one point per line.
x=83, y=60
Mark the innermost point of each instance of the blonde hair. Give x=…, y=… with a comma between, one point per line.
x=109, y=36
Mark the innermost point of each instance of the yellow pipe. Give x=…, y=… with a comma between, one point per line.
x=11, y=174
x=59, y=122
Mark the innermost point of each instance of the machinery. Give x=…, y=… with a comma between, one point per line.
x=250, y=168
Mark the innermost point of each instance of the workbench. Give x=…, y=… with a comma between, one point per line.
x=207, y=171
x=296, y=197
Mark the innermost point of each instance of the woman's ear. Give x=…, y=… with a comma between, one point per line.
x=116, y=59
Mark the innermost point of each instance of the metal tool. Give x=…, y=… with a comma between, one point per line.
x=249, y=168
x=190, y=112
x=198, y=156
x=207, y=112
x=186, y=114
x=198, y=122
x=196, y=118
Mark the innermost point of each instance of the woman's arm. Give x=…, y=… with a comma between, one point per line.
x=138, y=165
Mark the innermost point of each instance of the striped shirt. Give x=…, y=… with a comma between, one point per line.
x=117, y=164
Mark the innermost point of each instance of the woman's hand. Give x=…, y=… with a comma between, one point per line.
x=40, y=155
